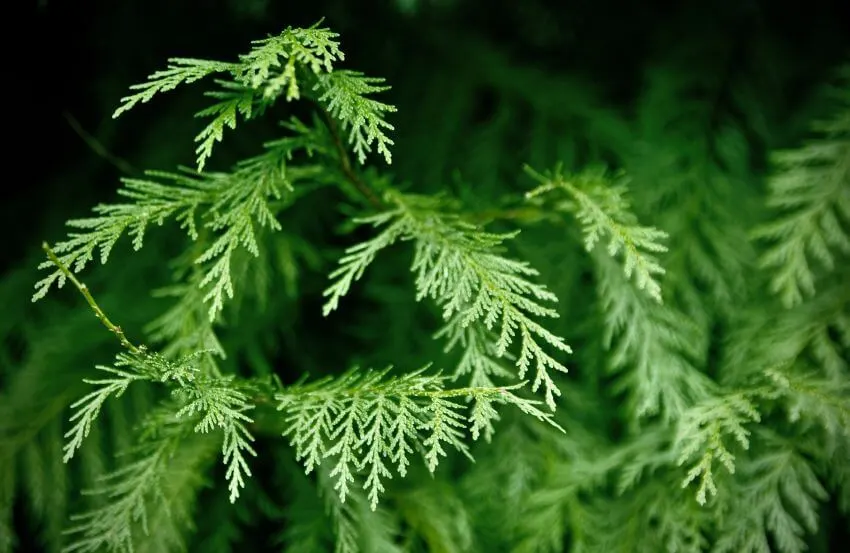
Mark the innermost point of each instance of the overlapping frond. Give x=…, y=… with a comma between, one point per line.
x=462, y=269
x=654, y=347
x=230, y=206
x=810, y=190
x=219, y=402
x=777, y=503
x=151, y=493
x=280, y=66
x=370, y=424
x=600, y=205
x=703, y=438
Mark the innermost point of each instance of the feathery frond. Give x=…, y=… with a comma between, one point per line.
x=810, y=189
x=703, y=433
x=164, y=470
x=371, y=422
x=778, y=504
x=345, y=95
x=463, y=270
x=599, y=204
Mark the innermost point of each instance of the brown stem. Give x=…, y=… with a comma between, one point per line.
x=345, y=163
x=96, y=146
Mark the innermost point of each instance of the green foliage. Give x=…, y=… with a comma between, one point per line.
x=218, y=401
x=811, y=190
x=387, y=419
x=165, y=471
x=260, y=77
x=773, y=480
x=462, y=269
x=600, y=206
x=680, y=250
x=345, y=94
x=701, y=436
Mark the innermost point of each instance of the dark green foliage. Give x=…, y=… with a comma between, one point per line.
x=563, y=281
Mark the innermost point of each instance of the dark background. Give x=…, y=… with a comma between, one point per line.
x=74, y=60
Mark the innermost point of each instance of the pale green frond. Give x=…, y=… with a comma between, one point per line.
x=444, y=425
x=164, y=476
x=261, y=75
x=180, y=71
x=703, y=434
x=222, y=406
x=314, y=48
x=810, y=191
x=233, y=101
x=479, y=358
x=653, y=346
x=368, y=423
x=778, y=503
x=599, y=203
x=153, y=203
x=813, y=399
x=463, y=270
x=344, y=93
x=358, y=257
x=128, y=368
x=87, y=408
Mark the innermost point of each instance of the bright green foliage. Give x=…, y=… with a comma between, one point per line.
x=219, y=402
x=180, y=71
x=230, y=205
x=345, y=94
x=462, y=269
x=260, y=77
x=387, y=419
x=275, y=66
x=600, y=206
x=703, y=436
x=699, y=413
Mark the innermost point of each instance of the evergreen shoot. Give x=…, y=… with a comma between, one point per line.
x=578, y=286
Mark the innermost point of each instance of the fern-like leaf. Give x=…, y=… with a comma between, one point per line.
x=599, y=204
x=780, y=500
x=463, y=270
x=361, y=420
x=702, y=435
x=180, y=71
x=811, y=191
x=344, y=93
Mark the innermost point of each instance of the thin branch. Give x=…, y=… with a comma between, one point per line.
x=345, y=163
x=84, y=290
x=97, y=147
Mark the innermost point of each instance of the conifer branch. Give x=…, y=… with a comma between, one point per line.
x=701, y=435
x=149, y=498
x=345, y=163
x=811, y=190
x=762, y=512
x=462, y=269
x=361, y=419
x=84, y=290
x=654, y=347
x=602, y=209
